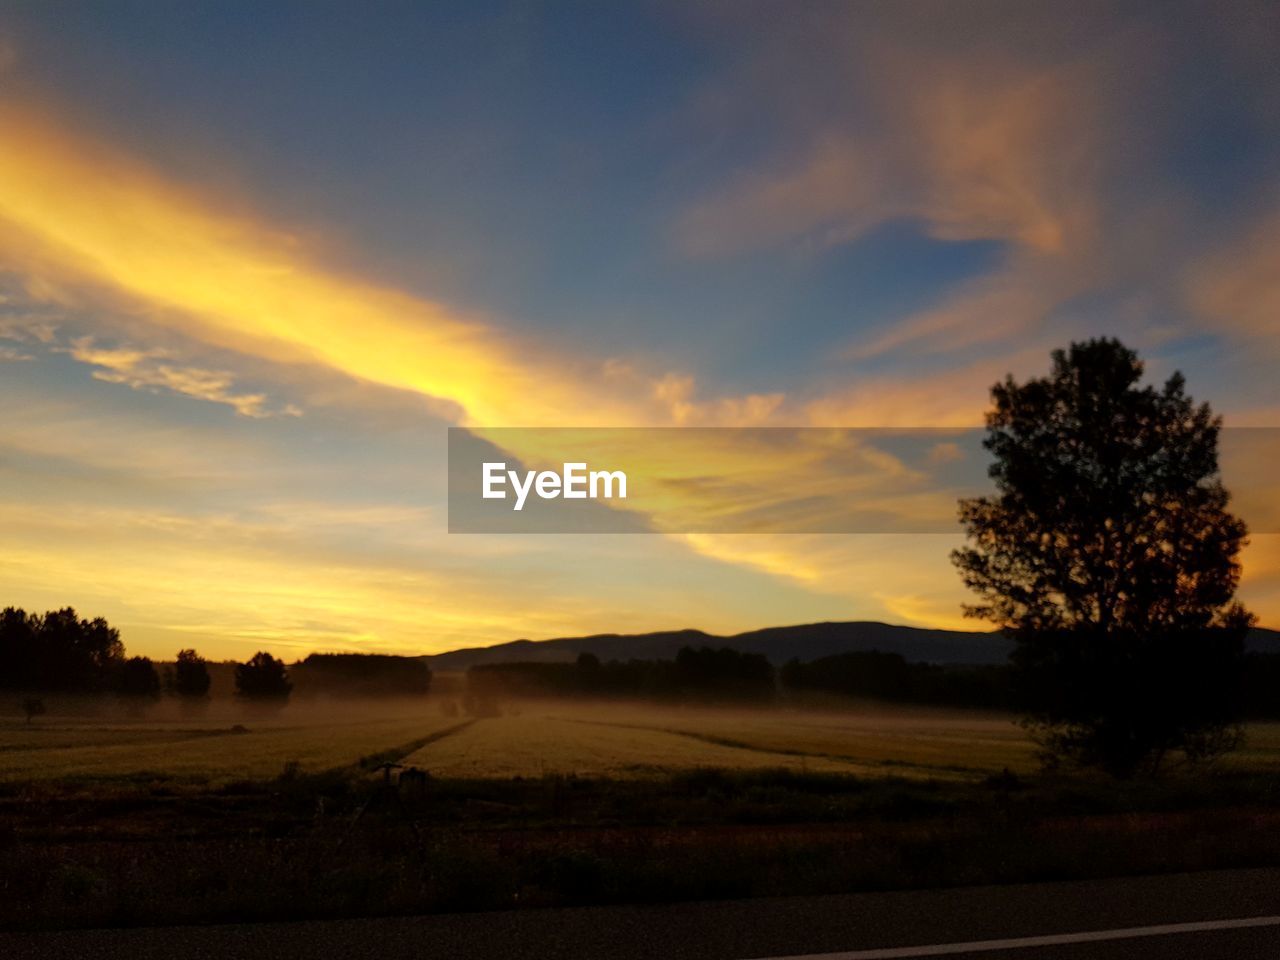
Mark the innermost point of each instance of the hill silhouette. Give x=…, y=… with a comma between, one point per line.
x=780, y=644
x=807, y=641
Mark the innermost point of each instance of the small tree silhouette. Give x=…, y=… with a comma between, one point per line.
x=137, y=679
x=1109, y=554
x=263, y=679
x=190, y=675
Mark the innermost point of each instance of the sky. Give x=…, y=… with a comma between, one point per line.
x=256, y=259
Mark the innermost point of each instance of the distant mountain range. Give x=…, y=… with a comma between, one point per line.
x=807, y=641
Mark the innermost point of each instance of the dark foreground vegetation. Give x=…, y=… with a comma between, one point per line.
x=349, y=843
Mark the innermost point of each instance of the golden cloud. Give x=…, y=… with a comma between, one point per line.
x=82, y=219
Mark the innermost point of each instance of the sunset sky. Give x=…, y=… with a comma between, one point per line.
x=255, y=259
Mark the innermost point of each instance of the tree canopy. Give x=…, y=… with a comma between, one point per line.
x=1110, y=555
x=58, y=651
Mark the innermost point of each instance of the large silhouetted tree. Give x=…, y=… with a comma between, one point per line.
x=57, y=651
x=1109, y=554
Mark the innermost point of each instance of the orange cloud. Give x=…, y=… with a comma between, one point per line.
x=975, y=149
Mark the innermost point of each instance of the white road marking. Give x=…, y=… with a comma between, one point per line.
x=1053, y=940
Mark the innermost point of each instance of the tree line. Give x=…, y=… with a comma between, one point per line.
x=59, y=652
x=890, y=677
x=704, y=674
x=730, y=676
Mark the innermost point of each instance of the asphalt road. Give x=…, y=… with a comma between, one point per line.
x=876, y=926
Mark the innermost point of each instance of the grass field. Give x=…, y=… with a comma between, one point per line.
x=71, y=748
x=532, y=746
x=623, y=741
x=630, y=741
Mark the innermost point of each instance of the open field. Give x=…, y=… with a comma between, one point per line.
x=524, y=746
x=74, y=748
x=631, y=741
x=623, y=741
x=535, y=739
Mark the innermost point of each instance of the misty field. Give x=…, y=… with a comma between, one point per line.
x=622, y=741
x=77, y=748
x=631, y=741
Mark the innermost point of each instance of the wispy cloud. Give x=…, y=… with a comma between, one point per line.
x=154, y=370
x=23, y=326
x=1239, y=287
x=998, y=147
